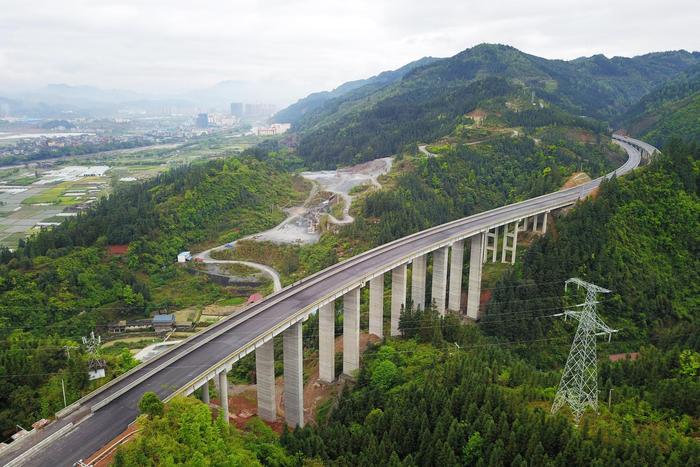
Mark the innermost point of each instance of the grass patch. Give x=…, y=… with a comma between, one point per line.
x=22, y=181
x=181, y=289
x=50, y=195
x=55, y=194
x=239, y=270
x=338, y=208
x=186, y=314
x=115, y=346
x=492, y=272
x=359, y=189
x=232, y=301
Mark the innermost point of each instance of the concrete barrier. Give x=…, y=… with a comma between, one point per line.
x=22, y=458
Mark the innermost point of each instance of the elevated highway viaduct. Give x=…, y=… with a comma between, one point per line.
x=87, y=425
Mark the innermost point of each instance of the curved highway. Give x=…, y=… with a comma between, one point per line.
x=104, y=414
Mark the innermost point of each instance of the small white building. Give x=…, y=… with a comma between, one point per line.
x=184, y=257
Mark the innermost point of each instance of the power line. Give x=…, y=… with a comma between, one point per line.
x=484, y=320
x=366, y=353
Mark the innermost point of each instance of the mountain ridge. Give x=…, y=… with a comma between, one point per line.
x=671, y=110
x=344, y=129
x=295, y=112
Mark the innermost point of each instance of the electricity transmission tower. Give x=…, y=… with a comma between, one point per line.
x=579, y=382
x=95, y=364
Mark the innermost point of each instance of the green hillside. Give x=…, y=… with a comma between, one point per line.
x=429, y=101
x=350, y=90
x=445, y=394
x=669, y=111
x=63, y=282
x=639, y=237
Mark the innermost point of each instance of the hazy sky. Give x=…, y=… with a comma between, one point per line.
x=167, y=46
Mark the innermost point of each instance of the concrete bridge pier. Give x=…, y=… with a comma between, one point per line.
x=223, y=393
x=491, y=244
x=544, y=223
x=398, y=296
x=476, y=253
x=418, y=273
x=510, y=242
x=522, y=224
x=205, y=392
x=351, y=331
x=376, y=306
x=265, y=381
x=535, y=224
x=456, y=263
x=293, y=375
x=326, y=342
x=440, y=279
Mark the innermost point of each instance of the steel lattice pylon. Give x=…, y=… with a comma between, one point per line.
x=579, y=382
x=92, y=346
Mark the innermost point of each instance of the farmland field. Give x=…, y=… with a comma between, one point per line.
x=34, y=196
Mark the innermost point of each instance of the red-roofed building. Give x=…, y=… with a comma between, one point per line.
x=256, y=297
x=616, y=357
x=117, y=250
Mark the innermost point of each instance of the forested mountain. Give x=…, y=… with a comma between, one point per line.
x=429, y=100
x=485, y=400
x=422, y=400
x=670, y=111
x=351, y=90
x=639, y=236
x=466, y=179
x=63, y=283
x=59, y=273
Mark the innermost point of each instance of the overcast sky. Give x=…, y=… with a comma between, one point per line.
x=168, y=46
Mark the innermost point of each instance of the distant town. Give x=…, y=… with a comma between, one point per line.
x=55, y=167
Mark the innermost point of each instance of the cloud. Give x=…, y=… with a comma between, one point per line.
x=160, y=46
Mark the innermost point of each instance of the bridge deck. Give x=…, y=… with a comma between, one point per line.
x=274, y=313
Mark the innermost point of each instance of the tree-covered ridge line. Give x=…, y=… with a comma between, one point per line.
x=191, y=203
x=428, y=101
x=467, y=179
x=670, y=111
x=639, y=237
x=357, y=89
